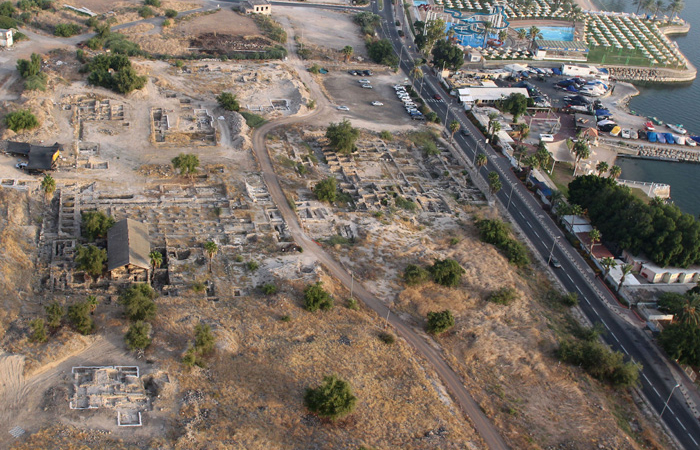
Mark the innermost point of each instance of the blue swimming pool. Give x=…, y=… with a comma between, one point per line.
x=419, y=2
x=555, y=33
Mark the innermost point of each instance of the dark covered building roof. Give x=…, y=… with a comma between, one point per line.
x=40, y=158
x=127, y=243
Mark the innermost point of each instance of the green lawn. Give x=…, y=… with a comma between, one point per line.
x=562, y=175
x=621, y=56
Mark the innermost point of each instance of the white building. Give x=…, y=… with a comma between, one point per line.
x=585, y=71
x=477, y=95
x=6, y=38
x=256, y=7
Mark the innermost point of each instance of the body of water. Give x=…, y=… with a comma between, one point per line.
x=555, y=33
x=672, y=104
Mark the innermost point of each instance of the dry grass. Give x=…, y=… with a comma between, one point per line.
x=224, y=21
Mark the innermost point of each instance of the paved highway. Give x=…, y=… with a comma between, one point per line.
x=599, y=306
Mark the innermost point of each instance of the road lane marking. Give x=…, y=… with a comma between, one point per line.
x=625, y=350
x=614, y=337
x=645, y=377
x=605, y=324
x=657, y=392
x=528, y=224
x=533, y=230
x=569, y=277
x=691, y=438
x=681, y=424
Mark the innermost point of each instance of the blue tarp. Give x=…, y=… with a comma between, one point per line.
x=556, y=71
x=602, y=112
x=651, y=136
x=695, y=138
x=571, y=89
x=660, y=138
x=669, y=138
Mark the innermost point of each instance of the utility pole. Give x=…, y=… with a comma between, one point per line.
x=668, y=400
x=512, y=186
x=352, y=283
x=551, y=252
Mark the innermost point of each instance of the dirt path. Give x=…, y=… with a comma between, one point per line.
x=423, y=344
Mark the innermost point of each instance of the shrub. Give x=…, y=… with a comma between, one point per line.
x=497, y=233
x=270, y=28
x=21, y=120
x=138, y=335
x=79, y=316
x=352, y=304
x=386, y=135
x=228, y=101
x=253, y=120
x=432, y=116
x=269, y=289
x=91, y=259
x=342, y=136
x=315, y=69
x=7, y=22
x=503, y=296
x=138, y=302
x=252, y=266
x=315, y=298
x=446, y=272
x=600, y=362
x=186, y=163
x=96, y=224
x=35, y=82
x=170, y=13
x=38, y=330
x=155, y=3
x=167, y=23
x=54, y=314
x=203, y=339
x=146, y=12
x=29, y=67
x=331, y=400
x=286, y=318
x=681, y=341
x=189, y=359
x=6, y=9
x=569, y=299
x=326, y=190
x=387, y=338
x=66, y=29
x=403, y=203
x=439, y=322
x=414, y=275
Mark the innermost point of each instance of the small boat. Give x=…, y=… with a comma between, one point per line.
x=660, y=138
x=680, y=140
x=657, y=121
x=678, y=128
x=648, y=126
x=615, y=131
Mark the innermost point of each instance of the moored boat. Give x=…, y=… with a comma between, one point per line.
x=678, y=128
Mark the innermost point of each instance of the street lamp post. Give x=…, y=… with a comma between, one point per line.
x=551, y=252
x=668, y=400
x=512, y=187
x=352, y=283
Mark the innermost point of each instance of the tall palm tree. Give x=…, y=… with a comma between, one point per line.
x=522, y=34
x=156, y=261
x=674, y=7
x=347, y=52
x=211, y=248
x=626, y=269
x=690, y=312
x=659, y=5
x=494, y=183
x=543, y=156
x=575, y=211
x=492, y=119
x=481, y=160
x=615, y=172
x=418, y=74
x=48, y=185
x=454, y=126
x=601, y=168
x=519, y=151
x=531, y=162
x=495, y=128
x=608, y=263
x=533, y=34
x=487, y=28
x=503, y=35
x=595, y=237
x=556, y=199
x=582, y=151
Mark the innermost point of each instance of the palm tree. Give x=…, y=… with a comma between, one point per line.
x=417, y=73
x=481, y=160
x=674, y=7
x=626, y=269
x=503, y=35
x=211, y=248
x=48, y=185
x=595, y=236
x=522, y=34
x=690, y=313
x=582, y=151
x=615, y=172
x=533, y=34
x=492, y=119
x=495, y=128
x=156, y=261
x=658, y=6
x=575, y=211
x=494, y=183
x=487, y=28
x=454, y=126
x=601, y=168
x=347, y=52
x=543, y=156
x=519, y=151
x=531, y=162
x=608, y=263
x=556, y=199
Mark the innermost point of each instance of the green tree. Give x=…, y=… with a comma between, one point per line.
x=332, y=400
x=600, y=362
x=608, y=263
x=414, y=275
x=54, y=314
x=521, y=34
x=435, y=33
x=186, y=164
x=66, y=29
x=228, y=101
x=138, y=302
x=20, y=120
x=347, y=52
x=481, y=160
x=315, y=298
x=38, y=333
x=595, y=237
x=503, y=296
x=615, y=172
x=342, y=136
x=446, y=272
x=138, y=336
x=155, y=3
x=6, y=9
x=146, y=12
x=439, y=322
x=533, y=34
x=382, y=52
x=91, y=260
x=211, y=248
x=48, y=185
x=582, y=151
x=127, y=80
x=203, y=339
x=454, y=127
x=495, y=184
x=601, y=168
x=681, y=341
x=156, y=258
x=515, y=104
x=96, y=224
x=626, y=269
x=170, y=13
x=79, y=316
x=31, y=67
x=690, y=310
x=326, y=190
x=447, y=55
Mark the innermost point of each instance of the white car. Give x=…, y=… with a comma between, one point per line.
x=364, y=81
x=625, y=134
x=21, y=165
x=367, y=86
x=377, y=104
x=343, y=108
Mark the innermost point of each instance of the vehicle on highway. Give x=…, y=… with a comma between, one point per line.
x=437, y=97
x=375, y=103
x=464, y=132
x=367, y=86
x=555, y=263
x=343, y=108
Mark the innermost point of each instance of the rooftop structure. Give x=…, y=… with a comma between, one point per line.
x=6, y=38
x=40, y=158
x=256, y=7
x=486, y=95
x=557, y=50
x=127, y=251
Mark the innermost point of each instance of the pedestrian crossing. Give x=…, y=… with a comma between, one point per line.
x=432, y=100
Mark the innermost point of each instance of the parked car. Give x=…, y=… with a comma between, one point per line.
x=418, y=117
x=625, y=134
x=343, y=108
x=437, y=97
x=367, y=86
x=377, y=103
x=21, y=165
x=364, y=80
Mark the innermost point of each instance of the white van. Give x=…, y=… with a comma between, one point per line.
x=546, y=137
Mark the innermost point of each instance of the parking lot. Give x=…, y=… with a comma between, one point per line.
x=346, y=90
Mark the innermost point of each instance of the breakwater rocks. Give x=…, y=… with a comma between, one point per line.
x=652, y=75
x=662, y=153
